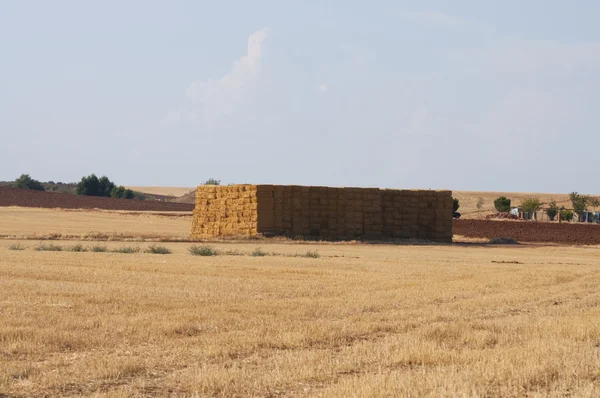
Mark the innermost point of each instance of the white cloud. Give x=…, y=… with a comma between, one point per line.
x=213, y=99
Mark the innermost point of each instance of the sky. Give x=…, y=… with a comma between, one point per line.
x=462, y=95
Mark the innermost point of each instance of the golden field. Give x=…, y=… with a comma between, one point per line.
x=468, y=201
x=360, y=320
x=163, y=191
x=31, y=223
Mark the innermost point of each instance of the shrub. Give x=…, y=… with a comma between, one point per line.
x=455, y=204
x=16, y=246
x=51, y=247
x=77, y=248
x=122, y=193
x=566, y=215
x=312, y=254
x=212, y=181
x=202, y=251
x=127, y=250
x=552, y=210
x=502, y=204
x=531, y=205
x=158, y=250
x=258, y=252
x=94, y=186
x=99, y=249
x=26, y=182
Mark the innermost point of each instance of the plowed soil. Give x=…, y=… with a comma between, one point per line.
x=530, y=231
x=29, y=198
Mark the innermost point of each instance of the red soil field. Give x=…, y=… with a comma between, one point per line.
x=29, y=198
x=530, y=231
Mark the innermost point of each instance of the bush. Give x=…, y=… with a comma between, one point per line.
x=552, y=210
x=77, y=248
x=455, y=204
x=122, y=193
x=127, y=250
x=94, y=186
x=258, y=252
x=531, y=205
x=566, y=215
x=99, y=249
x=502, y=204
x=202, y=251
x=158, y=250
x=26, y=182
x=51, y=247
x=212, y=181
x=16, y=246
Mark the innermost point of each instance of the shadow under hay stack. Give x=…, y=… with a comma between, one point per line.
x=322, y=212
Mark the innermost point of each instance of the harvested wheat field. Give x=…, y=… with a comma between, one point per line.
x=32, y=223
x=360, y=320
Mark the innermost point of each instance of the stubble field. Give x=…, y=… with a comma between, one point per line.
x=360, y=320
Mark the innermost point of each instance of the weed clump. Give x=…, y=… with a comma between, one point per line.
x=158, y=250
x=16, y=246
x=312, y=254
x=50, y=247
x=202, y=251
x=127, y=250
x=258, y=252
x=99, y=249
x=77, y=248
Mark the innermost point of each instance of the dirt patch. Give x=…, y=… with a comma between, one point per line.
x=529, y=231
x=29, y=198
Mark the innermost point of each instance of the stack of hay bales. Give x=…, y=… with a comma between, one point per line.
x=322, y=212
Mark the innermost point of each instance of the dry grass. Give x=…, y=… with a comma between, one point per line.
x=30, y=223
x=359, y=321
x=166, y=191
x=468, y=201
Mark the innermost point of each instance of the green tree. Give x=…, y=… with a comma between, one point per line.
x=26, y=182
x=502, y=204
x=212, y=181
x=565, y=214
x=455, y=204
x=531, y=205
x=94, y=186
x=579, y=202
x=121, y=192
x=552, y=210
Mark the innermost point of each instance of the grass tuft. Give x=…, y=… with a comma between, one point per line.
x=312, y=254
x=234, y=252
x=258, y=252
x=50, y=247
x=16, y=246
x=127, y=250
x=77, y=248
x=158, y=250
x=99, y=249
x=202, y=251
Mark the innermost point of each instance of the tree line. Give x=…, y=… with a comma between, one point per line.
x=89, y=185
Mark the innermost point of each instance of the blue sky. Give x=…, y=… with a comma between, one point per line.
x=479, y=95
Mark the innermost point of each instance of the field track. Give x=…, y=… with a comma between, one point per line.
x=29, y=198
x=523, y=231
